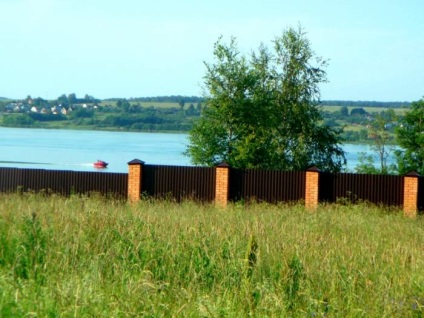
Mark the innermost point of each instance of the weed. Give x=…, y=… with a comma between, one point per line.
x=31, y=253
x=295, y=277
x=251, y=256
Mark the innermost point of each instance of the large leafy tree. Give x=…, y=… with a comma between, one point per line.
x=410, y=137
x=263, y=111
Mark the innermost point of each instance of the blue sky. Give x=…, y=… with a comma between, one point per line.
x=133, y=48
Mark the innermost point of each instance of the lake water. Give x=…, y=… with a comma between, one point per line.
x=78, y=149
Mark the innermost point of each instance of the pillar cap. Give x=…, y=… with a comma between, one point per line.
x=313, y=168
x=412, y=174
x=223, y=165
x=136, y=162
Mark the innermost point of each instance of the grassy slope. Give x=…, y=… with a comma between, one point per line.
x=349, y=127
x=398, y=111
x=93, y=257
x=69, y=125
x=148, y=104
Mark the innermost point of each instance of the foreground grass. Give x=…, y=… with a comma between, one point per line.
x=93, y=257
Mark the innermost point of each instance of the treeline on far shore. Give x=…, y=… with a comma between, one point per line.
x=70, y=112
x=162, y=113
x=131, y=117
x=197, y=99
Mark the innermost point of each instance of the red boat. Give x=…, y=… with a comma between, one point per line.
x=100, y=164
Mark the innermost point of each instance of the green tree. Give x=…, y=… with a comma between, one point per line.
x=263, y=112
x=123, y=105
x=190, y=110
x=358, y=112
x=381, y=137
x=410, y=137
x=181, y=103
x=72, y=98
x=81, y=112
x=21, y=120
x=199, y=107
x=366, y=164
x=363, y=134
x=344, y=111
x=63, y=100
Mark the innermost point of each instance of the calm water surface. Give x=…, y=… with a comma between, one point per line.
x=78, y=149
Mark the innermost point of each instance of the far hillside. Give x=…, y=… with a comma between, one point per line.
x=174, y=113
x=376, y=104
x=172, y=100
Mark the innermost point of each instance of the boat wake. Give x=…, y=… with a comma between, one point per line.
x=26, y=162
x=45, y=163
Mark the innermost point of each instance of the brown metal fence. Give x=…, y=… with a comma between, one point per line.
x=178, y=182
x=378, y=189
x=267, y=185
x=198, y=183
x=63, y=182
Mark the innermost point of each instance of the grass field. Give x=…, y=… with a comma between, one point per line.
x=148, y=104
x=398, y=111
x=91, y=257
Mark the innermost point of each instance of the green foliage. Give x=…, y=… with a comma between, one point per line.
x=148, y=119
x=410, y=137
x=63, y=100
x=72, y=98
x=81, y=112
x=374, y=104
x=251, y=256
x=263, y=112
x=123, y=105
x=2, y=106
x=25, y=255
x=344, y=111
x=294, y=278
x=181, y=103
x=366, y=164
x=18, y=120
x=358, y=111
x=46, y=117
x=31, y=252
x=355, y=136
x=169, y=99
x=164, y=108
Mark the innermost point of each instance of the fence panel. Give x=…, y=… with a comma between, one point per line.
x=267, y=185
x=420, y=203
x=178, y=182
x=10, y=179
x=63, y=182
x=378, y=189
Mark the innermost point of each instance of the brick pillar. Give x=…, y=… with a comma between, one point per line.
x=222, y=184
x=312, y=188
x=410, y=194
x=135, y=171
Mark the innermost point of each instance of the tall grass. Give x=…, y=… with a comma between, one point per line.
x=80, y=256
